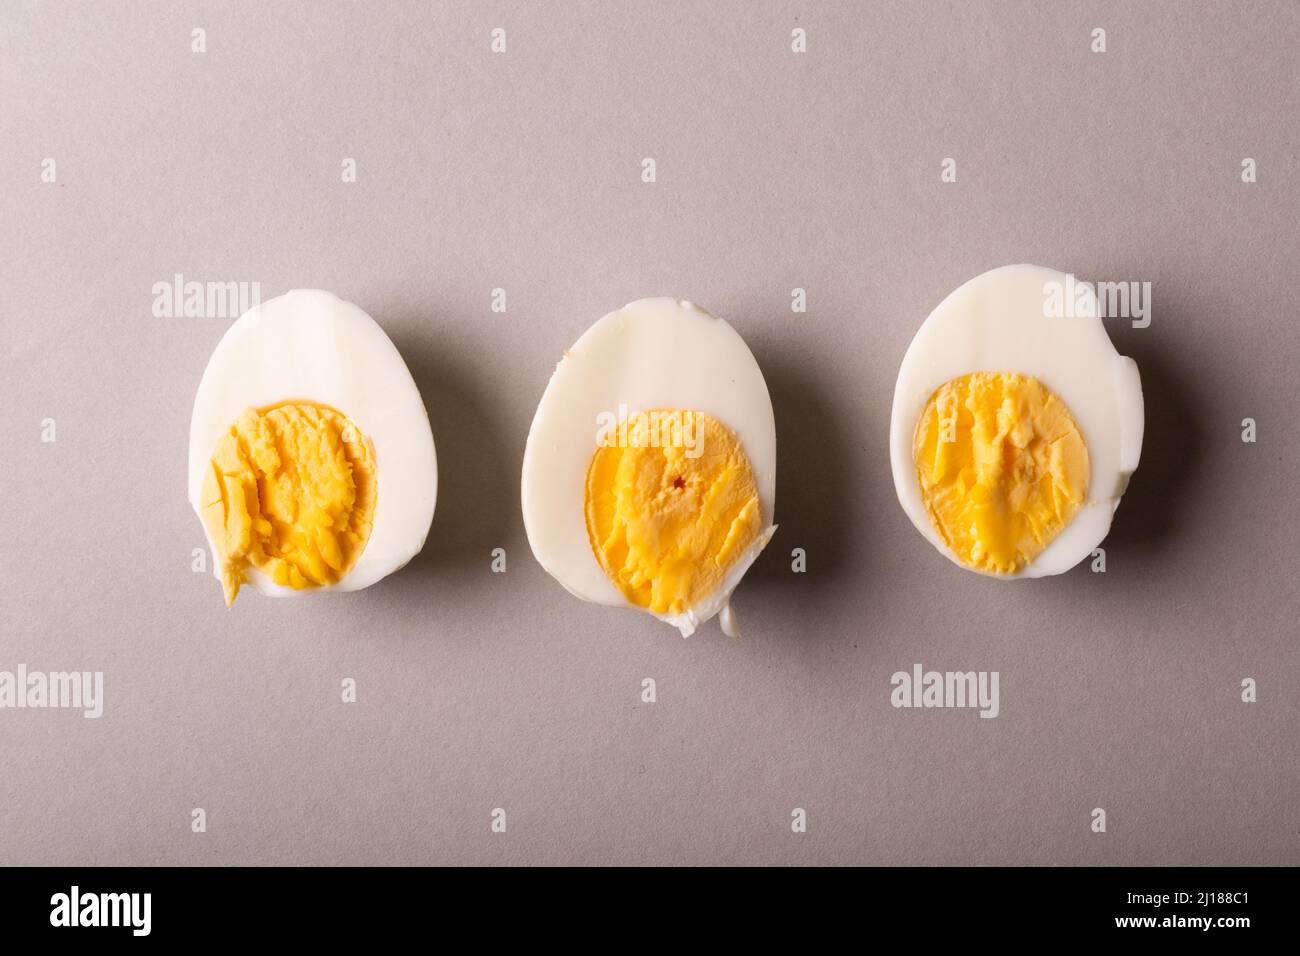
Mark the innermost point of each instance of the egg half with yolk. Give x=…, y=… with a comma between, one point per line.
x=311, y=461
x=1015, y=429
x=649, y=475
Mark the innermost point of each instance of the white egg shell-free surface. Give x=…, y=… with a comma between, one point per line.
x=996, y=322
x=309, y=345
x=652, y=353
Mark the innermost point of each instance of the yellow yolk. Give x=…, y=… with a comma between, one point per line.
x=671, y=503
x=1002, y=467
x=290, y=491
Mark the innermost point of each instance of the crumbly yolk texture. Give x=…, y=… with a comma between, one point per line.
x=1002, y=466
x=670, y=506
x=290, y=491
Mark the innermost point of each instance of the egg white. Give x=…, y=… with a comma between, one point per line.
x=311, y=346
x=652, y=353
x=996, y=322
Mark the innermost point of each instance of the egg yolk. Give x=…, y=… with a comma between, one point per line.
x=1002, y=468
x=671, y=503
x=290, y=491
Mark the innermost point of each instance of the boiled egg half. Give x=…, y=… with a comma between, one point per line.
x=649, y=475
x=1015, y=429
x=311, y=461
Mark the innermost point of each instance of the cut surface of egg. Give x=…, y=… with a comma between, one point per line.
x=649, y=476
x=311, y=460
x=1015, y=428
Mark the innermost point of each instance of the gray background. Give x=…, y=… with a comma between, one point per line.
x=522, y=171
